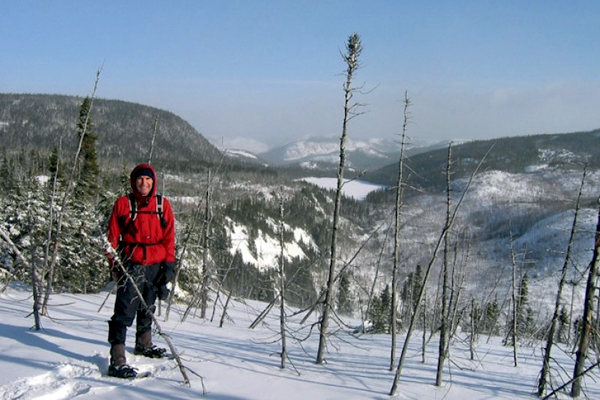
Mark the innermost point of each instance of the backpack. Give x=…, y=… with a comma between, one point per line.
x=133, y=211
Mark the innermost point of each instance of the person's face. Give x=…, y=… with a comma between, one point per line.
x=143, y=184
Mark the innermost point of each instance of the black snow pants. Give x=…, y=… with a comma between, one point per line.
x=128, y=303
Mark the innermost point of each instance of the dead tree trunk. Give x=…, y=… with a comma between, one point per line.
x=375, y=278
x=424, y=336
x=436, y=249
x=70, y=183
x=588, y=314
x=398, y=222
x=353, y=48
x=34, y=277
x=154, y=130
x=515, y=307
x=224, y=314
x=186, y=242
x=282, y=285
x=557, y=303
x=51, y=210
x=444, y=329
x=473, y=328
x=205, y=251
x=182, y=254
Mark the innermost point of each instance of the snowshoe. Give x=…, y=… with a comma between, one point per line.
x=122, y=371
x=150, y=352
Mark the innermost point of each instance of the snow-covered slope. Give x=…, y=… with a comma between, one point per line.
x=68, y=359
x=361, y=154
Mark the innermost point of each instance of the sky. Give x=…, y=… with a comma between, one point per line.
x=257, y=74
x=68, y=359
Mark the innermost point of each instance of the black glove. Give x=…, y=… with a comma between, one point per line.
x=115, y=273
x=168, y=270
x=165, y=274
x=162, y=292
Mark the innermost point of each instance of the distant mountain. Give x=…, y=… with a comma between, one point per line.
x=324, y=153
x=124, y=129
x=564, y=151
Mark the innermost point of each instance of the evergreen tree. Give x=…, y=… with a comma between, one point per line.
x=89, y=170
x=524, y=312
x=54, y=167
x=344, y=298
x=563, y=325
x=417, y=281
x=492, y=313
x=380, y=311
x=6, y=176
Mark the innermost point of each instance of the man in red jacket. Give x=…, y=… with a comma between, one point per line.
x=142, y=230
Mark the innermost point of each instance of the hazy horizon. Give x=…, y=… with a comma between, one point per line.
x=266, y=73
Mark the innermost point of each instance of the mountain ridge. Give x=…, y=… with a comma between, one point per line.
x=124, y=129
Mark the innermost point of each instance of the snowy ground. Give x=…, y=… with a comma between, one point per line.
x=69, y=359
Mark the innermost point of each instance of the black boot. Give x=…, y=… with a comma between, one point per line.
x=118, y=367
x=144, y=346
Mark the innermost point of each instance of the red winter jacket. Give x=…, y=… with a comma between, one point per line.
x=144, y=241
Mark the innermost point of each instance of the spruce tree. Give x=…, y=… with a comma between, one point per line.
x=344, y=299
x=89, y=169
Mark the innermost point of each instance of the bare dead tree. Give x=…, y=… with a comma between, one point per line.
x=282, y=284
x=515, y=307
x=574, y=283
x=219, y=289
x=188, y=236
x=375, y=277
x=561, y=284
x=353, y=50
x=346, y=265
x=570, y=381
x=70, y=183
x=457, y=286
x=473, y=329
x=432, y=261
x=444, y=329
x=424, y=334
x=154, y=130
x=182, y=254
x=224, y=313
x=51, y=207
x=34, y=277
x=206, y=247
x=398, y=222
x=588, y=314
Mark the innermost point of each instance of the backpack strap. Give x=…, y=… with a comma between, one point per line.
x=132, y=214
x=159, y=210
x=132, y=208
x=133, y=211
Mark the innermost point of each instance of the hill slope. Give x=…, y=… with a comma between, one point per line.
x=69, y=358
x=124, y=129
x=510, y=154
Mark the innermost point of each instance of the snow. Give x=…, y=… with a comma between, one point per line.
x=351, y=188
x=68, y=359
x=241, y=153
x=267, y=247
x=42, y=179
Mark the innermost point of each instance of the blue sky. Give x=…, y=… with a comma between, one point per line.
x=271, y=71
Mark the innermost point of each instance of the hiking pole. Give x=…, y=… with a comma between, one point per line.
x=110, y=250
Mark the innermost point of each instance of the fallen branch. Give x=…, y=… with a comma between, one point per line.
x=564, y=385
